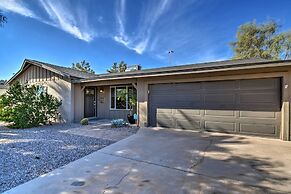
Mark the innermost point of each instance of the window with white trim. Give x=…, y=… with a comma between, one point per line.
x=119, y=97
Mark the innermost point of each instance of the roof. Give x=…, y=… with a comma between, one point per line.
x=190, y=68
x=63, y=71
x=82, y=77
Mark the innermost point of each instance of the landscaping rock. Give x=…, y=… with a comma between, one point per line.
x=29, y=153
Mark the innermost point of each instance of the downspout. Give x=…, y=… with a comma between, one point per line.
x=137, y=104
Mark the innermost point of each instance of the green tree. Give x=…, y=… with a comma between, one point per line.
x=83, y=66
x=287, y=45
x=3, y=19
x=261, y=41
x=42, y=107
x=121, y=67
x=113, y=68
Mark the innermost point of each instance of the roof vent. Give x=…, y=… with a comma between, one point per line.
x=133, y=68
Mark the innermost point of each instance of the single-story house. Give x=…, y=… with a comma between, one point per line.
x=249, y=96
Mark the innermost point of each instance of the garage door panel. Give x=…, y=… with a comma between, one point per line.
x=263, y=107
x=258, y=98
x=193, y=112
x=221, y=85
x=195, y=87
x=188, y=124
x=257, y=121
x=164, y=123
x=219, y=113
x=257, y=114
x=258, y=129
x=254, y=84
x=239, y=106
x=219, y=98
x=219, y=126
x=219, y=119
x=164, y=118
x=161, y=88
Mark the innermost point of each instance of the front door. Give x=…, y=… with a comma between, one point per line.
x=90, y=102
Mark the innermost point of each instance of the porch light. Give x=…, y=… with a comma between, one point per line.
x=101, y=90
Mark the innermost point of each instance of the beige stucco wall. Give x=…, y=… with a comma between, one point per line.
x=78, y=102
x=57, y=85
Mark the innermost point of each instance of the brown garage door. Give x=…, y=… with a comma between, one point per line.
x=238, y=106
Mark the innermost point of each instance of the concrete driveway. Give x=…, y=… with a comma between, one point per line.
x=173, y=161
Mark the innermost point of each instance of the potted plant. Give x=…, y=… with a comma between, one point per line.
x=132, y=106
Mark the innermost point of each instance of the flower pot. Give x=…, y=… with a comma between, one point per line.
x=131, y=119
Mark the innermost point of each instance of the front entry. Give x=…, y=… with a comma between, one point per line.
x=90, y=102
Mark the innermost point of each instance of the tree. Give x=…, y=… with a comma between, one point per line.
x=287, y=45
x=113, y=68
x=42, y=108
x=261, y=41
x=83, y=66
x=121, y=67
x=3, y=19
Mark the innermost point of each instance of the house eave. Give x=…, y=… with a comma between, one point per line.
x=145, y=74
x=26, y=64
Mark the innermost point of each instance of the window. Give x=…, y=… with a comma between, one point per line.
x=120, y=96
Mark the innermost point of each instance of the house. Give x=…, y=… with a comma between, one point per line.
x=3, y=87
x=249, y=96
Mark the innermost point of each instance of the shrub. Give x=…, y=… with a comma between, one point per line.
x=118, y=123
x=84, y=121
x=28, y=106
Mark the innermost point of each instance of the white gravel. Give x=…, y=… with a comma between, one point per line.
x=28, y=153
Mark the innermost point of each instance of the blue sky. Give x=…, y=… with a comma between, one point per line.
x=136, y=31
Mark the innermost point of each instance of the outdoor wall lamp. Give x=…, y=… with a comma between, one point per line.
x=101, y=90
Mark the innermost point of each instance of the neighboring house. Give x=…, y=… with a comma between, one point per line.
x=236, y=96
x=3, y=89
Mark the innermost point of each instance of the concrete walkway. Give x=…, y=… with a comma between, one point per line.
x=173, y=161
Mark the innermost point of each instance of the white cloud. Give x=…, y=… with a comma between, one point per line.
x=16, y=6
x=120, y=16
x=139, y=47
x=148, y=19
x=63, y=18
x=59, y=16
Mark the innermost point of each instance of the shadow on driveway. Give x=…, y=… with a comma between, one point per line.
x=174, y=161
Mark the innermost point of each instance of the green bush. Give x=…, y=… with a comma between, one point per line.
x=117, y=123
x=84, y=121
x=28, y=106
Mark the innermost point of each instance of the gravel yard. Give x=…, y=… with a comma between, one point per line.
x=29, y=153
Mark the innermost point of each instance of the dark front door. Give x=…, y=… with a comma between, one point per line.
x=90, y=103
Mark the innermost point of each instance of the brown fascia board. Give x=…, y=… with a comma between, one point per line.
x=186, y=69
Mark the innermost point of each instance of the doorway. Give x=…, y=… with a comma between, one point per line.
x=90, y=102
